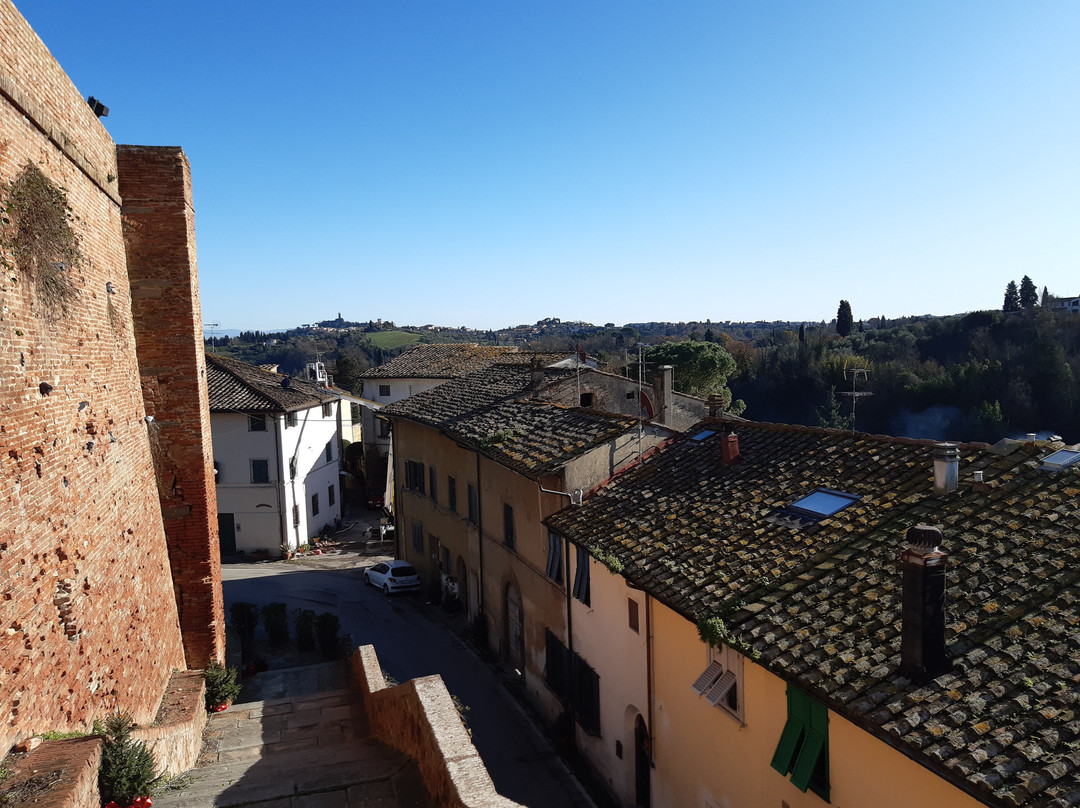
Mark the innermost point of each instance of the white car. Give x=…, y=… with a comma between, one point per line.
x=392, y=576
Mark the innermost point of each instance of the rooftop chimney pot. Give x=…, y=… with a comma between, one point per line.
x=729, y=448
x=946, y=467
x=922, y=645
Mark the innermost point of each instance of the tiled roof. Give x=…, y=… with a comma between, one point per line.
x=440, y=361
x=493, y=411
x=821, y=607
x=235, y=386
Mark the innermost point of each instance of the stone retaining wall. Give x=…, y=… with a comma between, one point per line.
x=76, y=760
x=176, y=744
x=419, y=719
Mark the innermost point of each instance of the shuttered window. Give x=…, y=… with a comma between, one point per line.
x=803, y=750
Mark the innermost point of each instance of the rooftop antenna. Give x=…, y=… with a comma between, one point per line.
x=855, y=374
x=212, y=326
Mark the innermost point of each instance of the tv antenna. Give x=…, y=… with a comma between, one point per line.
x=212, y=326
x=855, y=374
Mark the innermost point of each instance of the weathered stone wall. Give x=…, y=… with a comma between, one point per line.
x=87, y=621
x=175, y=737
x=73, y=761
x=419, y=719
x=159, y=226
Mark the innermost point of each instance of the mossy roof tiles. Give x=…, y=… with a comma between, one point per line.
x=235, y=386
x=448, y=360
x=822, y=607
x=493, y=411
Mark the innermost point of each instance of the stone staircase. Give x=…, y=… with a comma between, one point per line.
x=310, y=751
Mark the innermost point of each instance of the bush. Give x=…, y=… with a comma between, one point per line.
x=305, y=630
x=326, y=628
x=276, y=620
x=221, y=685
x=127, y=766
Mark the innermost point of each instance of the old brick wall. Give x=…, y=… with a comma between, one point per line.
x=159, y=226
x=87, y=621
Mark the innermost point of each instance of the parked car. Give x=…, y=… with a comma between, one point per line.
x=375, y=502
x=392, y=576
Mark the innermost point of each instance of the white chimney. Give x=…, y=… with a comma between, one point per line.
x=946, y=467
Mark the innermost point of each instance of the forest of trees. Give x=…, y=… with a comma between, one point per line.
x=979, y=376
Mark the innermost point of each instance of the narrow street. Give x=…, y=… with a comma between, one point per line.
x=521, y=761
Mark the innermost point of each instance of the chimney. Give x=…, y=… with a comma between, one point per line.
x=663, y=386
x=946, y=467
x=537, y=376
x=729, y=448
x=922, y=646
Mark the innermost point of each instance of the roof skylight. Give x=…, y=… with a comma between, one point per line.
x=700, y=436
x=823, y=503
x=1060, y=459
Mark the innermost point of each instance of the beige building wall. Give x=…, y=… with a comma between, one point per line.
x=603, y=637
x=705, y=758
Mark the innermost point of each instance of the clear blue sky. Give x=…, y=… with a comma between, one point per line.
x=490, y=163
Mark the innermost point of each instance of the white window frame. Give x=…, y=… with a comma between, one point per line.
x=724, y=672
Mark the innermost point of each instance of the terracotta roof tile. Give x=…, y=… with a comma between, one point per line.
x=822, y=606
x=440, y=361
x=235, y=386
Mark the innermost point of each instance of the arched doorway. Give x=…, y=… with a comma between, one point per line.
x=642, y=763
x=515, y=635
x=463, y=585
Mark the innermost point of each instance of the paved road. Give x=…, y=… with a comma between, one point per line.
x=520, y=760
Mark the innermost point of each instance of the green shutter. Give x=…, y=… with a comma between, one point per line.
x=795, y=728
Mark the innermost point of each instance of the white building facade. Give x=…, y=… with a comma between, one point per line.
x=277, y=457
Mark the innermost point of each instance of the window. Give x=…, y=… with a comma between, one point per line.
x=290, y=419
x=632, y=614
x=331, y=496
x=803, y=750
x=451, y=493
x=721, y=681
x=474, y=505
x=414, y=476
x=418, y=537
x=586, y=696
x=314, y=504
x=434, y=547
x=329, y=450
x=556, y=669
x=384, y=428
x=260, y=472
x=586, y=400
x=508, y=526
x=354, y=412
x=581, y=577
x=257, y=423
x=823, y=503
x=328, y=410
x=554, y=559
x=433, y=483
x=384, y=391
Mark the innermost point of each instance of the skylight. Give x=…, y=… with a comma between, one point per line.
x=1060, y=459
x=700, y=436
x=823, y=503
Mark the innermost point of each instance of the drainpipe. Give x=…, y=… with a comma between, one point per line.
x=479, y=539
x=649, y=664
x=280, y=485
x=570, y=649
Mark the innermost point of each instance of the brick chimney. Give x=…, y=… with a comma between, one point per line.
x=663, y=387
x=922, y=647
x=946, y=467
x=729, y=448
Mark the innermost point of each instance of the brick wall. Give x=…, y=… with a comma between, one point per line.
x=159, y=226
x=87, y=623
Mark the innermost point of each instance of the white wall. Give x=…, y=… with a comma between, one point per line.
x=399, y=389
x=260, y=511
